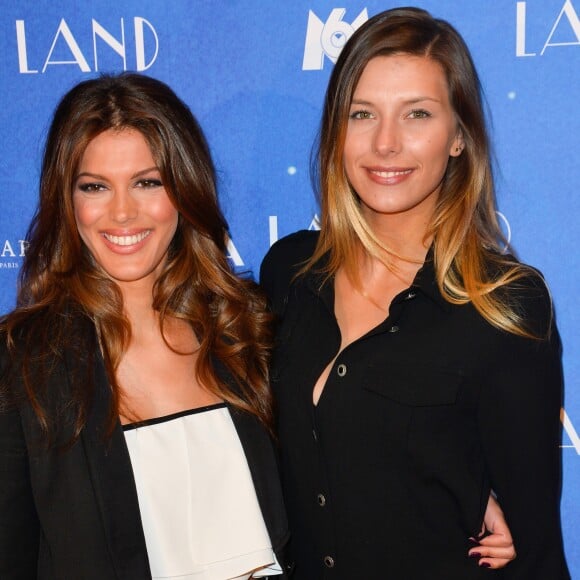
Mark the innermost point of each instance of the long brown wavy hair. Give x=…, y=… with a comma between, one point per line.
x=469, y=249
x=61, y=280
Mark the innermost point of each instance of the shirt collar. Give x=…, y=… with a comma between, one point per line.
x=320, y=283
x=425, y=282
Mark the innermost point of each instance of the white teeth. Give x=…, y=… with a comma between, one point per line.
x=389, y=174
x=127, y=240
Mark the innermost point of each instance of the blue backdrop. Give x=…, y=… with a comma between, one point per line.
x=254, y=73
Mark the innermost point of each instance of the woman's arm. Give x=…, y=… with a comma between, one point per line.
x=19, y=528
x=520, y=430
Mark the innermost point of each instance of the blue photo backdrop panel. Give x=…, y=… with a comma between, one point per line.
x=255, y=72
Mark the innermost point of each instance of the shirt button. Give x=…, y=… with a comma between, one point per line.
x=314, y=435
x=341, y=370
x=329, y=561
x=394, y=328
x=321, y=500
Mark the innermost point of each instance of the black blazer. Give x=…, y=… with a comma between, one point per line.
x=74, y=514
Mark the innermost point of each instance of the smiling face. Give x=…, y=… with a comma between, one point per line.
x=122, y=211
x=401, y=132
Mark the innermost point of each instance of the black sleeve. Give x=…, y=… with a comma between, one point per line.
x=19, y=527
x=519, y=419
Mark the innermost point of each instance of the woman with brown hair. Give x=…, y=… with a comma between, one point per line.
x=135, y=411
x=417, y=364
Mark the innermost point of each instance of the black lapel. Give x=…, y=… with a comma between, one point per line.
x=113, y=484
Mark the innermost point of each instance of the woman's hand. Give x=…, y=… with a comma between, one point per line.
x=496, y=549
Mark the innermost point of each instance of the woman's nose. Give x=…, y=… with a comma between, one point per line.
x=123, y=207
x=386, y=138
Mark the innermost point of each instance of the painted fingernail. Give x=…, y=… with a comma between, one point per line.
x=485, y=565
x=475, y=555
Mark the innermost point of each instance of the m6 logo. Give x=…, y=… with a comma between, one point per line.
x=328, y=38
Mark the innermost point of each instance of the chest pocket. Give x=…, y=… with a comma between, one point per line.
x=414, y=385
x=432, y=431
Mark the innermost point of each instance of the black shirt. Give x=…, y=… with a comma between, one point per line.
x=389, y=475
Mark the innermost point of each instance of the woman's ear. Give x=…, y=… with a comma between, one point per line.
x=458, y=145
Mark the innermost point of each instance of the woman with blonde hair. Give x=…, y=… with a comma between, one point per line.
x=417, y=365
x=135, y=410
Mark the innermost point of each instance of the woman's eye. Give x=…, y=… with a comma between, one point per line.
x=361, y=115
x=149, y=183
x=419, y=114
x=91, y=187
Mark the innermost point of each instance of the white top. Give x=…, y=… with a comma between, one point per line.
x=199, y=509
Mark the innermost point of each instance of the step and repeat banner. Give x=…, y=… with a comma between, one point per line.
x=254, y=73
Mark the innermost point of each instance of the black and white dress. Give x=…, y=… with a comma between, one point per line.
x=198, y=505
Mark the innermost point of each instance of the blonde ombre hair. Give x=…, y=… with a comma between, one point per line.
x=468, y=246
